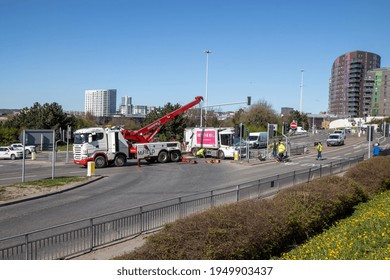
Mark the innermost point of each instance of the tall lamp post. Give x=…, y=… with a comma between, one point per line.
x=300, y=100
x=207, y=52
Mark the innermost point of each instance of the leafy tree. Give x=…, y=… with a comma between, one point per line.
x=301, y=119
x=126, y=123
x=173, y=129
x=47, y=116
x=192, y=117
x=258, y=116
x=8, y=135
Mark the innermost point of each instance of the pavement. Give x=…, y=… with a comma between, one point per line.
x=114, y=250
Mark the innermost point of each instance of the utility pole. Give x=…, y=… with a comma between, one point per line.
x=300, y=100
x=207, y=52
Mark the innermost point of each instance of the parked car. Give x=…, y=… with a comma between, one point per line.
x=10, y=153
x=298, y=131
x=335, y=139
x=28, y=148
x=341, y=132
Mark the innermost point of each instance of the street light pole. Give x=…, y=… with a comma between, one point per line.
x=300, y=100
x=207, y=52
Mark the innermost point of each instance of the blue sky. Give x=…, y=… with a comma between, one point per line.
x=152, y=50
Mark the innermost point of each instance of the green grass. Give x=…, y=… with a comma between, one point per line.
x=62, y=148
x=363, y=236
x=14, y=191
x=56, y=182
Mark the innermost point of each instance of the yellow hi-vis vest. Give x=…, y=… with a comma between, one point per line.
x=281, y=148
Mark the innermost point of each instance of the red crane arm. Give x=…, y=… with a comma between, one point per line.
x=146, y=134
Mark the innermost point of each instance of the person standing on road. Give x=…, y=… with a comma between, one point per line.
x=319, y=151
x=376, y=150
x=281, y=150
x=274, y=149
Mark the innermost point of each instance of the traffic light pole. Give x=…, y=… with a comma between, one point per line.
x=247, y=102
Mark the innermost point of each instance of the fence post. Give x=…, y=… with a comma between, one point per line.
x=92, y=233
x=308, y=177
x=141, y=220
x=26, y=242
x=294, y=179
x=238, y=193
x=181, y=211
x=277, y=180
x=320, y=170
x=212, y=199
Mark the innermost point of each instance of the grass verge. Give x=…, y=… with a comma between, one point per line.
x=34, y=188
x=363, y=236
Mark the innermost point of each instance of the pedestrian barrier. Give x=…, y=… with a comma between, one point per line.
x=85, y=235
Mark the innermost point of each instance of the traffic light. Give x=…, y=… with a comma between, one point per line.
x=387, y=128
x=370, y=133
x=237, y=130
x=248, y=100
x=270, y=130
x=285, y=128
x=242, y=130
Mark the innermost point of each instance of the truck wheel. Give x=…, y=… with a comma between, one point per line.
x=175, y=156
x=100, y=162
x=13, y=157
x=151, y=160
x=120, y=160
x=221, y=155
x=163, y=157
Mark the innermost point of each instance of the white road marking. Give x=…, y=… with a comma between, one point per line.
x=10, y=178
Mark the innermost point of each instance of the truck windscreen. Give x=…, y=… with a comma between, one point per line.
x=227, y=139
x=80, y=138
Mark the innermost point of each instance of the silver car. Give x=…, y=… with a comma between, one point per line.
x=335, y=139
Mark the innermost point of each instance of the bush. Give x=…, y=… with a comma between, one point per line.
x=373, y=174
x=309, y=208
x=262, y=229
x=256, y=229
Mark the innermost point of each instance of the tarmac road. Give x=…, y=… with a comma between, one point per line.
x=131, y=186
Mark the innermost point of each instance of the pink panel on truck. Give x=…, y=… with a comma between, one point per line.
x=209, y=137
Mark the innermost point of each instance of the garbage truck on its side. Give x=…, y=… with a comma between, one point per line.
x=114, y=146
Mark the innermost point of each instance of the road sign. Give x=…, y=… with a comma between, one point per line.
x=293, y=125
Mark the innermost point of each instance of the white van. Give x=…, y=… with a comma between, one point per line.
x=257, y=139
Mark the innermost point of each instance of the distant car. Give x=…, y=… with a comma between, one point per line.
x=335, y=139
x=10, y=153
x=257, y=139
x=28, y=148
x=300, y=130
x=341, y=132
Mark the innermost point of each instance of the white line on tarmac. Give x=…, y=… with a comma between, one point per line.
x=10, y=178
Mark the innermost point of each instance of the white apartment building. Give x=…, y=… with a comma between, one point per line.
x=100, y=102
x=126, y=107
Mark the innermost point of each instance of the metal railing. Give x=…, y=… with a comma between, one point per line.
x=85, y=235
